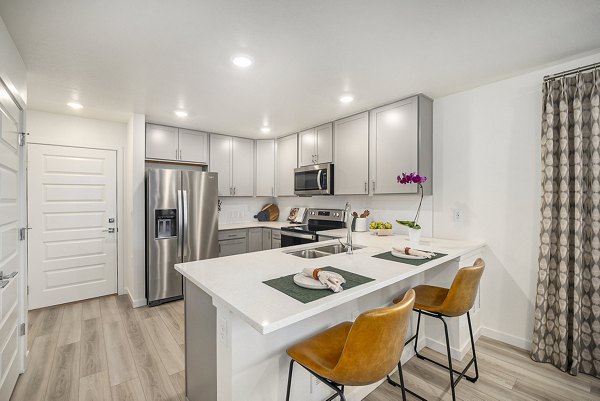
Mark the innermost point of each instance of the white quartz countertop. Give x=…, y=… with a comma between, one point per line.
x=254, y=224
x=236, y=282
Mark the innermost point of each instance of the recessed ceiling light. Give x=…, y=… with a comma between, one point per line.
x=242, y=61
x=346, y=98
x=265, y=130
x=75, y=105
x=181, y=113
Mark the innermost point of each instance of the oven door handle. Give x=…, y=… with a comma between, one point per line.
x=319, y=179
x=311, y=237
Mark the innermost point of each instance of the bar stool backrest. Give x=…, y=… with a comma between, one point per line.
x=463, y=291
x=374, y=344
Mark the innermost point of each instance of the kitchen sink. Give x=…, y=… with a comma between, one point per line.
x=309, y=254
x=335, y=248
x=321, y=251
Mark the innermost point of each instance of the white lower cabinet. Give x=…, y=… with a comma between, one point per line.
x=255, y=243
x=266, y=239
x=286, y=160
x=275, y=239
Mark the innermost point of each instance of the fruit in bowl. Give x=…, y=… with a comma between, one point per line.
x=381, y=228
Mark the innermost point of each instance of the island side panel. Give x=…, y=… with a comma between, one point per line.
x=200, y=345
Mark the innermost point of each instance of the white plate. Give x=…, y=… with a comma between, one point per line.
x=405, y=256
x=308, y=282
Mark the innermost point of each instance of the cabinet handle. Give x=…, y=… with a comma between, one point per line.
x=176, y=154
x=272, y=191
x=366, y=187
x=373, y=185
x=180, y=155
x=233, y=191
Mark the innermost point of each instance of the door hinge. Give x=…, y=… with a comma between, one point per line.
x=22, y=329
x=21, y=139
x=23, y=233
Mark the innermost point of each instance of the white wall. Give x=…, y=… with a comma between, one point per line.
x=135, y=276
x=59, y=129
x=487, y=164
x=12, y=67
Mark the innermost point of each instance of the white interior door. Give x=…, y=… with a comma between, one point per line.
x=12, y=344
x=72, y=211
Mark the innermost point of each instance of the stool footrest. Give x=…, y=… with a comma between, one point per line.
x=393, y=383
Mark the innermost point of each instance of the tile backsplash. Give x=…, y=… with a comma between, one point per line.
x=382, y=207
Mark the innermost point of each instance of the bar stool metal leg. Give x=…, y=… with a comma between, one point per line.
x=338, y=388
x=289, y=386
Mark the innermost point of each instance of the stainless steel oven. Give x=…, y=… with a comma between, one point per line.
x=316, y=220
x=314, y=180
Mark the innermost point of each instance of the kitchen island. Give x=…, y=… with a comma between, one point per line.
x=238, y=328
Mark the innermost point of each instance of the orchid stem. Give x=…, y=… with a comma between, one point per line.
x=420, y=203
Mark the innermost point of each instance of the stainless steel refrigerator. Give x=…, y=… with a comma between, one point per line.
x=182, y=224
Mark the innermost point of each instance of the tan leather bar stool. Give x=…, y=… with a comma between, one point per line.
x=441, y=302
x=356, y=354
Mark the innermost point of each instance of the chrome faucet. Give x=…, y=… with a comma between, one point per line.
x=348, y=212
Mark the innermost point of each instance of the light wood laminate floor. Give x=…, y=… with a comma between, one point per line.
x=103, y=349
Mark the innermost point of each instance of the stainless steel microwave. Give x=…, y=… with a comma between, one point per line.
x=314, y=180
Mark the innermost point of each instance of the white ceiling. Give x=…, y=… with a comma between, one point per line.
x=155, y=56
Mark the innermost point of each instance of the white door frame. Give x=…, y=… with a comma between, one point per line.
x=120, y=215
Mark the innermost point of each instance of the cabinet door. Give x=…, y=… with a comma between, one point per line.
x=394, y=145
x=233, y=247
x=256, y=239
x=324, y=135
x=352, y=155
x=265, y=167
x=276, y=243
x=220, y=162
x=242, y=156
x=286, y=155
x=193, y=146
x=307, y=151
x=266, y=238
x=162, y=142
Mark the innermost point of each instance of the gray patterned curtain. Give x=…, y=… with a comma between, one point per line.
x=567, y=314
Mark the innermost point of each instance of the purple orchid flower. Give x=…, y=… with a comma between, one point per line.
x=412, y=178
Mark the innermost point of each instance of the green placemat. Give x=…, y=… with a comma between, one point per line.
x=414, y=262
x=286, y=285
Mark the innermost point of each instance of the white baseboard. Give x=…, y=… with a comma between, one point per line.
x=456, y=353
x=518, y=342
x=136, y=303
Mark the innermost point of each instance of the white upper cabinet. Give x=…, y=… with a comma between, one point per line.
x=401, y=141
x=315, y=145
x=162, y=142
x=233, y=160
x=242, y=159
x=265, y=167
x=324, y=136
x=307, y=150
x=286, y=160
x=193, y=146
x=220, y=162
x=176, y=144
x=352, y=155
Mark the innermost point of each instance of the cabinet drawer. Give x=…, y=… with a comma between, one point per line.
x=276, y=234
x=232, y=234
x=233, y=247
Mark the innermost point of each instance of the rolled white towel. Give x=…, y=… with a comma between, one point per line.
x=332, y=280
x=413, y=252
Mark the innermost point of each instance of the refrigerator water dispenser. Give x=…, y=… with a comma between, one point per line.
x=165, y=221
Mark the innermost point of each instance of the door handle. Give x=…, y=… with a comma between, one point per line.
x=185, y=221
x=179, y=223
x=109, y=230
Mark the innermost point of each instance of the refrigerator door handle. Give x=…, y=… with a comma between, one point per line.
x=185, y=223
x=179, y=223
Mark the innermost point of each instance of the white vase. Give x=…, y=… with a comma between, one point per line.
x=361, y=224
x=414, y=236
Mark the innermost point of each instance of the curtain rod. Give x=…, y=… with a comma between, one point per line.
x=572, y=71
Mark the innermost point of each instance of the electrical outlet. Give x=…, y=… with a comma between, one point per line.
x=314, y=384
x=457, y=214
